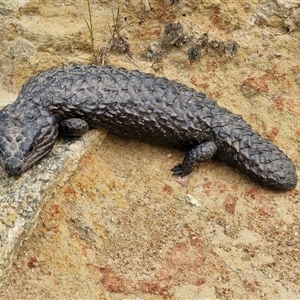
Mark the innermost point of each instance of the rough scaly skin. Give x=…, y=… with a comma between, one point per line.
x=135, y=105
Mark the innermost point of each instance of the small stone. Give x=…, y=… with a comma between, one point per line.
x=192, y=200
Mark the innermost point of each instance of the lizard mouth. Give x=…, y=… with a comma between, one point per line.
x=22, y=147
x=43, y=144
x=14, y=166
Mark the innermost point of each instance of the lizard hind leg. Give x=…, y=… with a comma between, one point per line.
x=202, y=152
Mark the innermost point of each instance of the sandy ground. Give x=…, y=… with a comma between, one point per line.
x=122, y=227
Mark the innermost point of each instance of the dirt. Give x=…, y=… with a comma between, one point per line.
x=122, y=227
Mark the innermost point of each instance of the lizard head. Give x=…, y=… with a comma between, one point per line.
x=27, y=134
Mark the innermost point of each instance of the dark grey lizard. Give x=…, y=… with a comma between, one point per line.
x=135, y=105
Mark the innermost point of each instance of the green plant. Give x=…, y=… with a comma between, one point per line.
x=117, y=43
x=89, y=24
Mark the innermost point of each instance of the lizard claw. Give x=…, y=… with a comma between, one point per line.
x=177, y=170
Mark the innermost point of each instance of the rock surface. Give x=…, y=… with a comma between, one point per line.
x=21, y=200
x=9, y=6
x=120, y=227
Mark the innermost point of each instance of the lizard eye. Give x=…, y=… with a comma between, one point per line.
x=30, y=149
